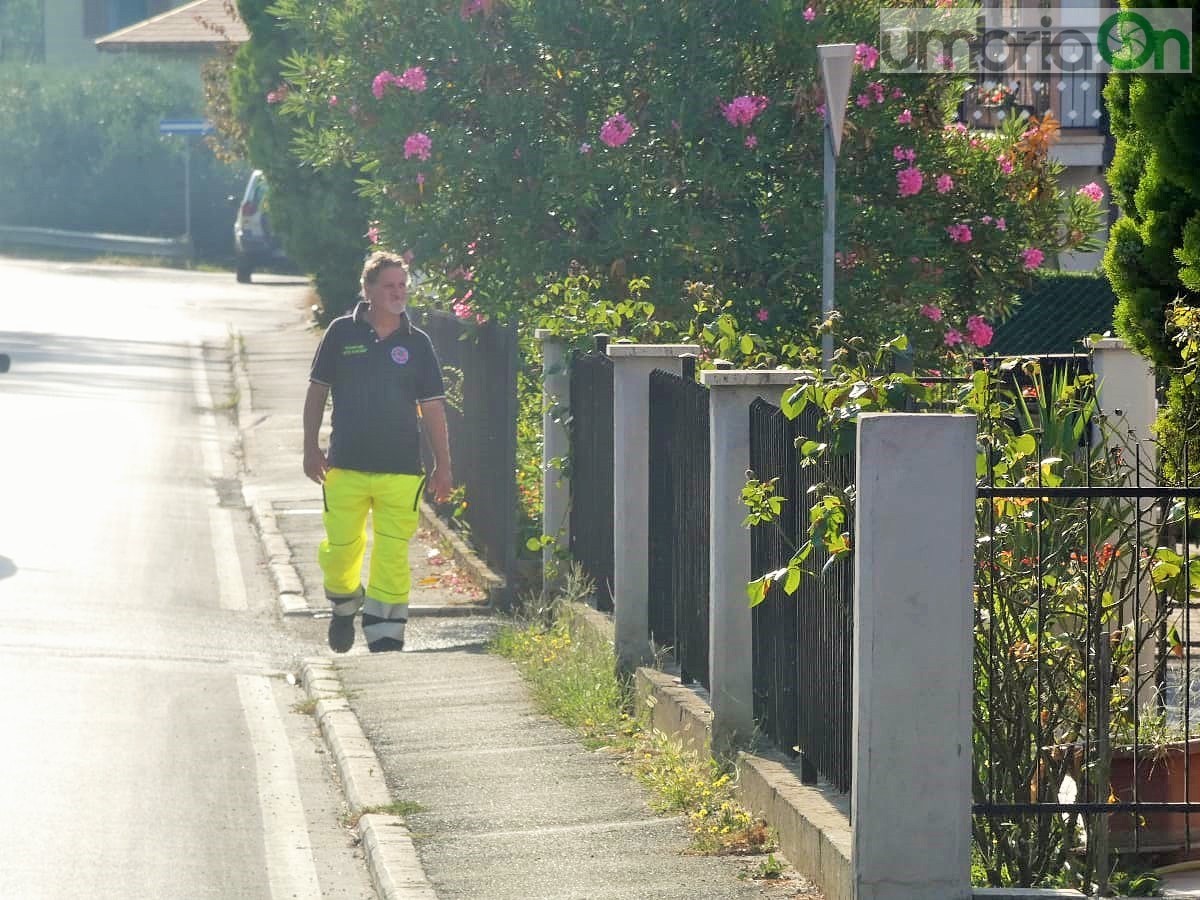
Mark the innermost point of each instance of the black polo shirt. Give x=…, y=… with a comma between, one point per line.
x=376, y=385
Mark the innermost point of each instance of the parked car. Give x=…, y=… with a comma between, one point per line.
x=253, y=241
x=4, y=362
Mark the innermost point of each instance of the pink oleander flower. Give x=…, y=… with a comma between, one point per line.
x=876, y=90
x=751, y=142
x=945, y=184
x=863, y=100
x=380, y=82
x=959, y=232
x=1006, y=164
x=741, y=111
x=979, y=331
x=821, y=110
x=373, y=234
x=1032, y=258
x=616, y=131
x=470, y=7
x=1092, y=191
x=944, y=61
x=420, y=179
x=866, y=56
x=909, y=181
x=585, y=148
x=762, y=315
x=1001, y=224
x=932, y=313
x=413, y=79
x=905, y=118
x=810, y=14
x=904, y=154
x=953, y=337
x=333, y=100
x=986, y=220
x=897, y=94
x=418, y=145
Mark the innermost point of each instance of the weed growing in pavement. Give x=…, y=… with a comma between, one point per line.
x=399, y=808
x=571, y=671
x=305, y=707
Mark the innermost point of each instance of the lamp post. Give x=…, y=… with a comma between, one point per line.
x=837, y=63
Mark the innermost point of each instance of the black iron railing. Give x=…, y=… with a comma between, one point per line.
x=802, y=643
x=591, y=467
x=679, y=518
x=480, y=365
x=1102, y=655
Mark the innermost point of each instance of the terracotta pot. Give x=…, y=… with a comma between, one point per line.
x=1160, y=777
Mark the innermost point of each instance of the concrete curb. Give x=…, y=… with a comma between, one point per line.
x=391, y=856
x=288, y=586
x=468, y=560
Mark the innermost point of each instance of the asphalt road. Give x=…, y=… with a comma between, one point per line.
x=151, y=747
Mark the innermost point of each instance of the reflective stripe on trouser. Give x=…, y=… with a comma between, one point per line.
x=392, y=501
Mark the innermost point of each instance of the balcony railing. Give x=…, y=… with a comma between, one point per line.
x=1075, y=99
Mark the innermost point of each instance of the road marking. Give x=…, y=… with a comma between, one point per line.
x=291, y=869
x=210, y=449
x=230, y=586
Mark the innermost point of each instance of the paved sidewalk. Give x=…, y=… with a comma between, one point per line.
x=509, y=804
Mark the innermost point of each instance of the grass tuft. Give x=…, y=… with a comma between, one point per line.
x=571, y=672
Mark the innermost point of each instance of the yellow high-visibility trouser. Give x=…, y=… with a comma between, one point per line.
x=393, y=502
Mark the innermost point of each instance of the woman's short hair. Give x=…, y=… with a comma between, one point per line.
x=380, y=260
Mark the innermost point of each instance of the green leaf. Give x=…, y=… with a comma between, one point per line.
x=756, y=590
x=792, y=581
x=1025, y=445
x=533, y=545
x=746, y=344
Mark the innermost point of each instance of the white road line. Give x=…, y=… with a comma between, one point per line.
x=291, y=869
x=231, y=587
x=210, y=449
x=229, y=577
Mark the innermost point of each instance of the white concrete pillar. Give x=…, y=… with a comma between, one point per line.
x=913, y=564
x=632, y=365
x=556, y=445
x=1125, y=382
x=731, y=633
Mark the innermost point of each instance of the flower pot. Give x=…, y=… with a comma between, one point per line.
x=1159, y=774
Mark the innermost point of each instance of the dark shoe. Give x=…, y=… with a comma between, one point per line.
x=383, y=645
x=341, y=633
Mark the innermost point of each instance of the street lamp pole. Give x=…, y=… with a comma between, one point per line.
x=837, y=63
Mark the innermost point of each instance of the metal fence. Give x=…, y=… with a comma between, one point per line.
x=591, y=467
x=480, y=365
x=679, y=518
x=1076, y=99
x=1089, y=623
x=802, y=643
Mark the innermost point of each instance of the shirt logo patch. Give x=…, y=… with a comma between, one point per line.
x=354, y=350
x=399, y=355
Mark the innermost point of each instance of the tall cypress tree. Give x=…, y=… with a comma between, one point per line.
x=1153, y=255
